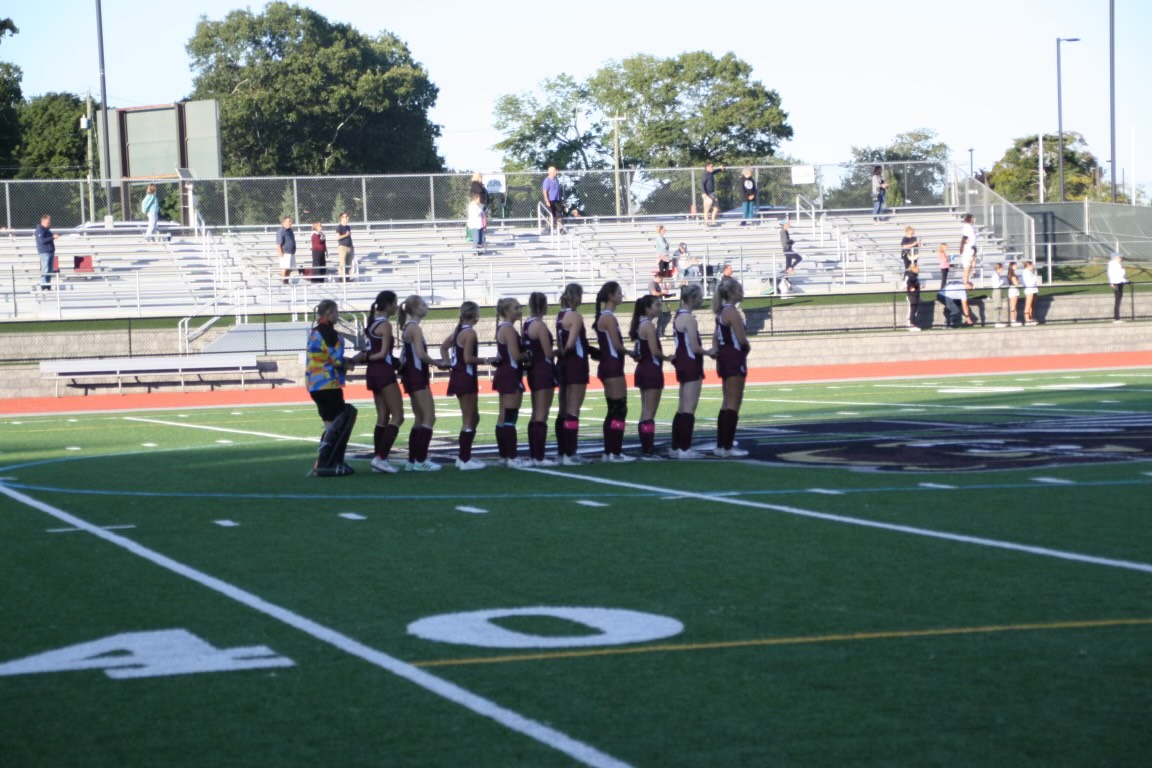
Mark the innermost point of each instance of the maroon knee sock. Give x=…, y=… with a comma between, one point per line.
x=466, y=438
x=647, y=437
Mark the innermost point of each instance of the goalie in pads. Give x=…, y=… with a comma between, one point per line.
x=327, y=368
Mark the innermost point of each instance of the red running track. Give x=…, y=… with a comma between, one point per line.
x=782, y=374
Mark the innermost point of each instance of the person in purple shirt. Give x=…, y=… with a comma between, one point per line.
x=46, y=248
x=552, y=198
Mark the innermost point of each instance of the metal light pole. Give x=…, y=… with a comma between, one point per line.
x=107, y=172
x=1060, y=109
x=616, y=157
x=971, y=168
x=1112, y=85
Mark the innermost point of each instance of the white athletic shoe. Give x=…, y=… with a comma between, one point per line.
x=421, y=466
x=651, y=457
x=518, y=463
x=618, y=458
x=545, y=463
x=471, y=464
x=736, y=453
x=572, y=461
x=686, y=454
x=382, y=466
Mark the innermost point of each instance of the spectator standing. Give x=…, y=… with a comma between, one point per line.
x=944, y=261
x=967, y=248
x=553, y=201
x=344, y=247
x=286, y=248
x=708, y=193
x=748, y=195
x=477, y=222
x=477, y=188
x=909, y=247
x=151, y=207
x=1013, y=295
x=1031, y=282
x=46, y=248
x=912, y=289
x=1117, y=277
x=879, y=191
x=999, y=282
x=319, y=253
x=791, y=258
x=663, y=257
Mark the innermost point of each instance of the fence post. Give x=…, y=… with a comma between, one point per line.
x=8, y=204
x=295, y=202
x=431, y=198
x=227, y=215
x=364, y=196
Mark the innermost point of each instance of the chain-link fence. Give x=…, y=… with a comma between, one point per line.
x=1090, y=231
x=239, y=202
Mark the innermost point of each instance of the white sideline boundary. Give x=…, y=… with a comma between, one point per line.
x=826, y=516
x=546, y=735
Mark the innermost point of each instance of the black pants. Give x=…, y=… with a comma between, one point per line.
x=1117, y=298
x=913, y=307
x=791, y=259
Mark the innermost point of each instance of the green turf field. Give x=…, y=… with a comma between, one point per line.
x=950, y=571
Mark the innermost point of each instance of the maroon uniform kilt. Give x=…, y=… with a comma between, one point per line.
x=731, y=361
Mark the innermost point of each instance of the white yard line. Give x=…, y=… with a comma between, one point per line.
x=979, y=541
x=546, y=735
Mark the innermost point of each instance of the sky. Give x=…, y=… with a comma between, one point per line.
x=850, y=74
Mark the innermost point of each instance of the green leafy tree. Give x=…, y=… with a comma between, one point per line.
x=11, y=98
x=1016, y=175
x=52, y=146
x=301, y=95
x=688, y=109
x=564, y=130
x=911, y=180
x=674, y=112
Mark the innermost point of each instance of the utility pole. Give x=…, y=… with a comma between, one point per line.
x=104, y=112
x=616, y=157
x=91, y=187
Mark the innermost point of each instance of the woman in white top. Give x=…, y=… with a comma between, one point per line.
x=1031, y=287
x=1117, y=277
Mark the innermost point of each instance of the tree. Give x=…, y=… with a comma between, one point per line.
x=689, y=109
x=52, y=146
x=301, y=95
x=1016, y=175
x=915, y=168
x=675, y=112
x=11, y=98
x=564, y=131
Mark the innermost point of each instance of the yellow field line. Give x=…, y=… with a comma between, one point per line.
x=893, y=635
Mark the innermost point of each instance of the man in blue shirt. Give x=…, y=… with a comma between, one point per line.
x=551, y=193
x=46, y=247
x=286, y=248
x=708, y=193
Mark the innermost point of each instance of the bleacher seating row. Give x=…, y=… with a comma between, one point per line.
x=842, y=250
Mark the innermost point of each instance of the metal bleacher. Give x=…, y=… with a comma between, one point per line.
x=235, y=271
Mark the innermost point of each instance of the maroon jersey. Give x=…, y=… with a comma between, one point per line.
x=507, y=378
x=731, y=358
x=573, y=366
x=542, y=374
x=379, y=373
x=462, y=378
x=649, y=370
x=611, y=362
x=415, y=376
x=689, y=366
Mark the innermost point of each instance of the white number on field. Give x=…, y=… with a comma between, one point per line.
x=614, y=627
x=147, y=654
